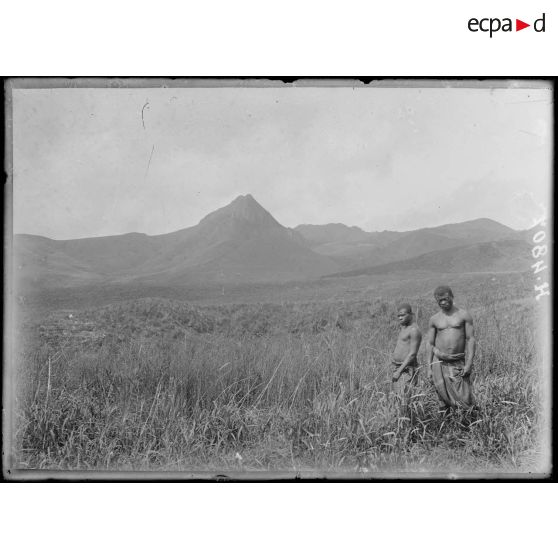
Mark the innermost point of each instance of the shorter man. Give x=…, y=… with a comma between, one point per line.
x=450, y=350
x=404, y=359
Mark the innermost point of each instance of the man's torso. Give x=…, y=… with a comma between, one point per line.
x=403, y=346
x=450, y=332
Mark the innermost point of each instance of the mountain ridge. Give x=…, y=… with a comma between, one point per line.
x=240, y=242
x=375, y=248
x=512, y=254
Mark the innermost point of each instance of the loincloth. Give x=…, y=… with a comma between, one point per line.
x=454, y=390
x=408, y=377
x=446, y=357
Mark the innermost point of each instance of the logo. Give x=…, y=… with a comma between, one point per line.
x=493, y=25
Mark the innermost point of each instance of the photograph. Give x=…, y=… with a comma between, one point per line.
x=258, y=278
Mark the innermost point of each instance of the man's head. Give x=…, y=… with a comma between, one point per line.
x=404, y=314
x=444, y=297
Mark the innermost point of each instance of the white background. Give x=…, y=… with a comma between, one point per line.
x=254, y=520
x=291, y=37
x=210, y=38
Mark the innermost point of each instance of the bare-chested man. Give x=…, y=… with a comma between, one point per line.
x=450, y=350
x=404, y=359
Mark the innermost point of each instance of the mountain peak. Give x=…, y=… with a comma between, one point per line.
x=243, y=208
x=246, y=200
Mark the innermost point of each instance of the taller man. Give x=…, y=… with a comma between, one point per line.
x=450, y=350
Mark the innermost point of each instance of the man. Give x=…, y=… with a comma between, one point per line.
x=450, y=350
x=404, y=359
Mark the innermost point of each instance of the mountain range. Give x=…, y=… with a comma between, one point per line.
x=243, y=243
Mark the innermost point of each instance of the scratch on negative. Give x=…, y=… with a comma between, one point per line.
x=149, y=162
x=530, y=133
x=142, y=109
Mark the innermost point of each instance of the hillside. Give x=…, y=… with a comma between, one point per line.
x=239, y=242
x=333, y=232
x=375, y=248
x=242, y=243
x=40, y=262
x=500, y=255
x=477, y=230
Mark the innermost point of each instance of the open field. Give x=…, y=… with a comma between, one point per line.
x=39, y=303
x=288, y=378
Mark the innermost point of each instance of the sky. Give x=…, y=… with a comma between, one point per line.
x=104, y=161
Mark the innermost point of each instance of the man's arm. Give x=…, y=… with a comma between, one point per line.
x=470, y=343
x=414, y=344
x=430, y=341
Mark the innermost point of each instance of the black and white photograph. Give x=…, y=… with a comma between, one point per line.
x=268, y=279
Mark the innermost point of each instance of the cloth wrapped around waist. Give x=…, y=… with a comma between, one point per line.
x=453, y=388
x=446, y=357
x=404, y=384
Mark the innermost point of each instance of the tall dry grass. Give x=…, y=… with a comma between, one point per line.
x=305, y=388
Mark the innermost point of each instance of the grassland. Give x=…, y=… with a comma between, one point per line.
x=295, y=384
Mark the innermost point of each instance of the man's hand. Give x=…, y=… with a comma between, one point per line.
x=396, y=375
x=466, y=371
x=429, y=372
x=441, y=355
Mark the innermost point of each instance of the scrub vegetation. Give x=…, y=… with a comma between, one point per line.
x=292, y=386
